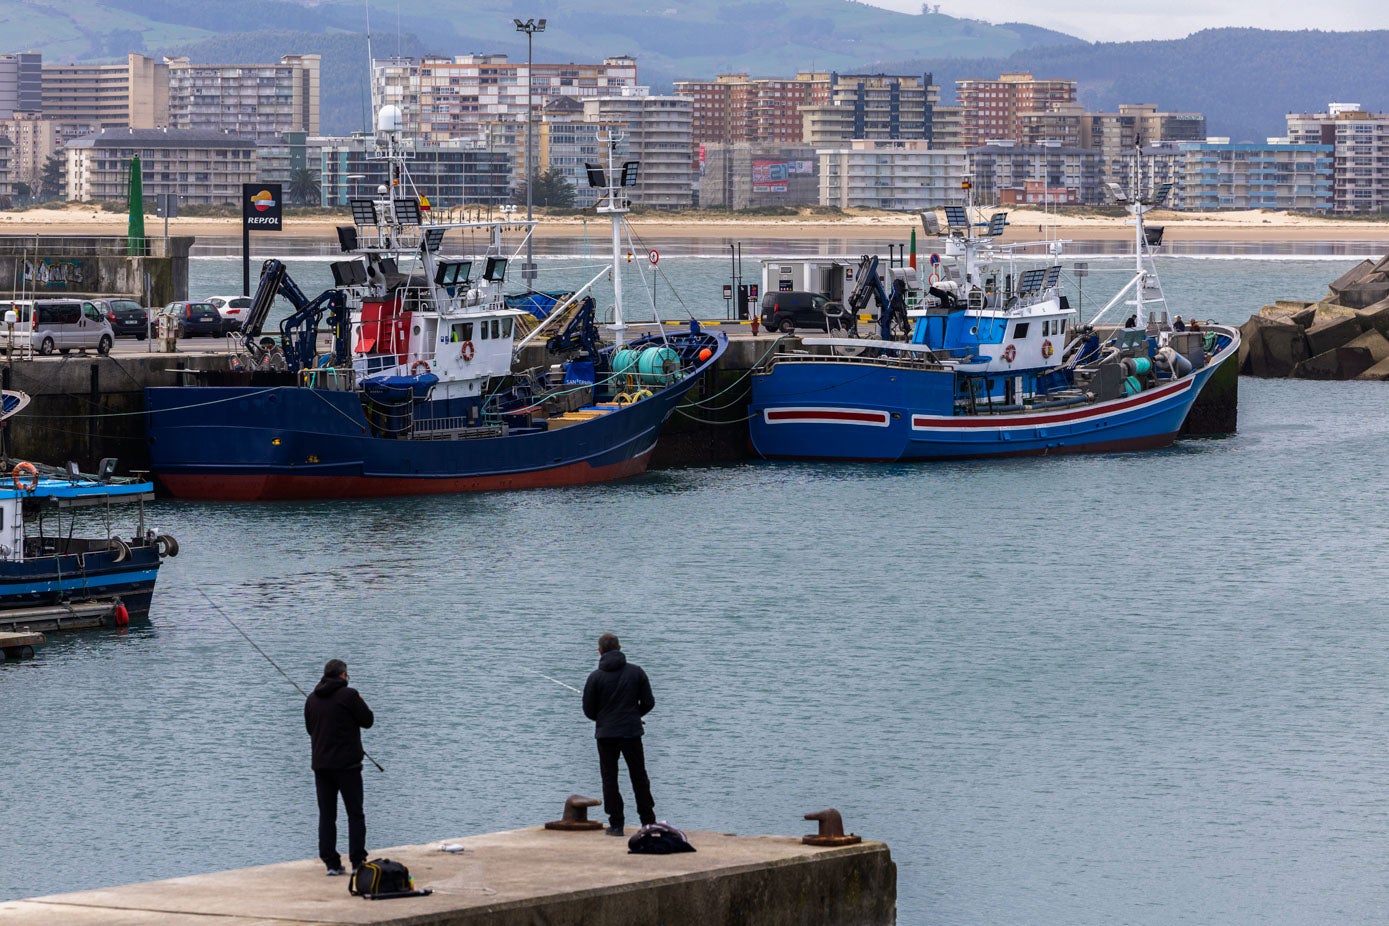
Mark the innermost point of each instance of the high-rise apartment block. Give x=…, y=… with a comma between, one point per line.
x=737, y=109
x=906, y=174
x=259, y=101
x=878, y=107
x=991, y=110
x=21, y=83
x=1002, y=172
x=1360, y=142
x=1216, y=174
x=655, y=130
x=108, y=96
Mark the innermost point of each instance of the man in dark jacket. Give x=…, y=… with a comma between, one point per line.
x=335, y=716
x=616, y=697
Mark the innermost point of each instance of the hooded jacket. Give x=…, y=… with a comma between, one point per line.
x=617, y=696
x=335, y=717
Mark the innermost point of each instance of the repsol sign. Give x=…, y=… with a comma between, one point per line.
x=261, y=208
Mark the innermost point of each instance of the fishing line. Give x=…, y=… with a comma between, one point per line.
x=266, y=655
x=557, y=681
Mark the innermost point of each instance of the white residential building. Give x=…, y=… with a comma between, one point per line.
x=201, y=167
x=658, y=132
x=1361, y=143
x=899, y=174
x=260, y=101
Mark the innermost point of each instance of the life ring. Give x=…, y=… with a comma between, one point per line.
x=468, y=351
x=1010, y=353
x=419, y=365
x=1047, y=349
x=21, y=469
x=933, y=279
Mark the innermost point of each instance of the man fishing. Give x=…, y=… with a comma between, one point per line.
x=616, y=697
x=335, y=716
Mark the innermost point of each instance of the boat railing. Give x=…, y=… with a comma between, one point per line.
x=451, y=428
x=893, y=360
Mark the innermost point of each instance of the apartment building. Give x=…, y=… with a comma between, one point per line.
x=447, y=100
x=21, y=83
x=1117, y=135
x=1061, y=126
x=991, y=109
x=35, y=139
x=566, y=143
x=655, y=130
x=903, y=174
x=202, y=168
x=1216, y=174
x=747, y=176
x=448, y=176
x=882, y=107
x=260, y=101
x=108, y=96
x=1360, y=141
x=1003, y=172
x=738, y=109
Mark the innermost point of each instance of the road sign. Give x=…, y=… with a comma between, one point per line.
x=654, y=256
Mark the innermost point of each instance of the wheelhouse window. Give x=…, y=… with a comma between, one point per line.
x=1020, y=330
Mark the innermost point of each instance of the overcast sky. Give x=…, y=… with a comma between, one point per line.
x=1127, y=20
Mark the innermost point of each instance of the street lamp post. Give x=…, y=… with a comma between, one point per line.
x=530, y=27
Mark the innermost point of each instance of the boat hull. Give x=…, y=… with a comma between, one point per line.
x=868, y=413
x=50, y=580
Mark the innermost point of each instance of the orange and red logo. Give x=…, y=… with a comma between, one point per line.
x=262, y=200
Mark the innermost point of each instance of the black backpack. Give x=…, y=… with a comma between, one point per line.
x=382, y=878
x=658, y=839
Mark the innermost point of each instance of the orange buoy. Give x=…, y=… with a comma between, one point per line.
x=121, y=616
x=705, y=354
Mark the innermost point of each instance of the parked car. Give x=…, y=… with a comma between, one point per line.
x=128, y=318
x=47, y=325
x=194, y=318
x=233, y=310
x=788, y=311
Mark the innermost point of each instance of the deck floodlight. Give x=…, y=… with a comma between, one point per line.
x=106, y=469
x=359, y=273
x=1162, y=192
x=929, y=223
x=597, y=177
x=363, y=211
x=496, y=270
x=1117, y=192
x=1053, y=277
x=342, y=272
x=347, y=238
x=956, y=217
x=629, y=172
x=433, y=238
x=1152, y=235
x=1031, y=281
x=407, y=211
x=997, y=221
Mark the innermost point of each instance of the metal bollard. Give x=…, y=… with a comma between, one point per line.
x=831, y=830
x=576, y=815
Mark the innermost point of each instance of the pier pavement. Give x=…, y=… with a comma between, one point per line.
x=520, y=877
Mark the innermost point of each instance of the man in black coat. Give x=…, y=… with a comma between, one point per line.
x=335, y=716
x=616, y=697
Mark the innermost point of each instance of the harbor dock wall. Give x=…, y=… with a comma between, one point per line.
x=85, y=407
x=53, y=266
x=520, y=878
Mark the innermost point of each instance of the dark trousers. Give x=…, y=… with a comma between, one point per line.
x=629, y=748
x=329, y=783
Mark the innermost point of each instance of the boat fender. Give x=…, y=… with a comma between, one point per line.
x=119, y=550
x=1174, y=361
x=419, y=366
x=467, y=352
x=1010, y=353
x=120, y=615
x=25, y=476
x=166, y=545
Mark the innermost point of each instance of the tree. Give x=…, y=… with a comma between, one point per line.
x=23, y=191
x=51, y=183
x=304, y=188
x=551, y=189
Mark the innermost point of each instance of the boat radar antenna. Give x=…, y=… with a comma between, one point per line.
x=1138, y=205
x=614, y=203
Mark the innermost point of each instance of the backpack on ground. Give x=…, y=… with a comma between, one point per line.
x=658, y=839
x=381, y=879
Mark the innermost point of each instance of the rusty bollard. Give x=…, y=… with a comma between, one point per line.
x=831, y=830
x=576, y=814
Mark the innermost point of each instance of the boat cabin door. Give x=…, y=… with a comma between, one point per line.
x=11, y=529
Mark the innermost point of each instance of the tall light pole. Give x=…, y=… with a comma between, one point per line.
x=530, y=27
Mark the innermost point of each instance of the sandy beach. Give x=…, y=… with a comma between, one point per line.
x=1024, y=224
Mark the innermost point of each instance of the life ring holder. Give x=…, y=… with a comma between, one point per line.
x=419, y=365
x=21, y=469
x=1047, y=349
x=1010, y=353
x=467, y=352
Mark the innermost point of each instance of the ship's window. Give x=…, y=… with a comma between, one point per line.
x=506, y=327
x=496, y=328
x=467, y=330
x=482, y=328
x=1062, y=328
x=1046, y=329
x=1020, y=330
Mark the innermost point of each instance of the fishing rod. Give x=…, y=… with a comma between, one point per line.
x=557, y=681
x=266, y=655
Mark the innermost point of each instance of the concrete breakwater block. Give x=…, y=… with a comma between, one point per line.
x=1271, y=348
x=520, y=878
x=1337, y=363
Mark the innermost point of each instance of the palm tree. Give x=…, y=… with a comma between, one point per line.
x=304, y=188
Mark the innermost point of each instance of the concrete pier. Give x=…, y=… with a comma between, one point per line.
x=522, y=878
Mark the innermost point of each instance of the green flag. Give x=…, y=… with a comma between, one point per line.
x=135, y=231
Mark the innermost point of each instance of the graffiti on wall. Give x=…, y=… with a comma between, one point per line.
x=53, y=274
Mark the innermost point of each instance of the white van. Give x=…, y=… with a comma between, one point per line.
x=46, y=325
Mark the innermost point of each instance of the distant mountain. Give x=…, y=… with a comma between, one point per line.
x=1244, y=80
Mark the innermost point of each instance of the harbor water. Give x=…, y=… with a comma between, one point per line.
x=1144, y=688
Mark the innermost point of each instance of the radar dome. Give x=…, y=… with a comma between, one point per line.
x=390, y=119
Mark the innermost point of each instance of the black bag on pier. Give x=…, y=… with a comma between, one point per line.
x=658, y=839
x=381, y=879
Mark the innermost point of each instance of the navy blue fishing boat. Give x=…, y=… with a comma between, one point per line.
x=423, y=390
x=995, y=366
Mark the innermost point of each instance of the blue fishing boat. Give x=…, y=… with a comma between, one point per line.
x=55, y=568
x=996, y=365
x=423, y=389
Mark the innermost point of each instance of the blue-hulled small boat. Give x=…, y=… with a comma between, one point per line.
x=996, y=366
x=47, y=568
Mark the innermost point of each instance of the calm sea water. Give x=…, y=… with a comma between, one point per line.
x=1137, y=689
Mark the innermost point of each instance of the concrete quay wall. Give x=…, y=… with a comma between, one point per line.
x=521, y=878
x=54, y=266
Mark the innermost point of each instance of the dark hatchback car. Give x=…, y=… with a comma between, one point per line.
x=195, y=318
x=791, y=310
x=128, y=318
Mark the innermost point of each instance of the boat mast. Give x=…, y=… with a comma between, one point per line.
x=614, y=205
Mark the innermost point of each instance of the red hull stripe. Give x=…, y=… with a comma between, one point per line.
x=1042, y=419
x=826, y=416
x=272, y=486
